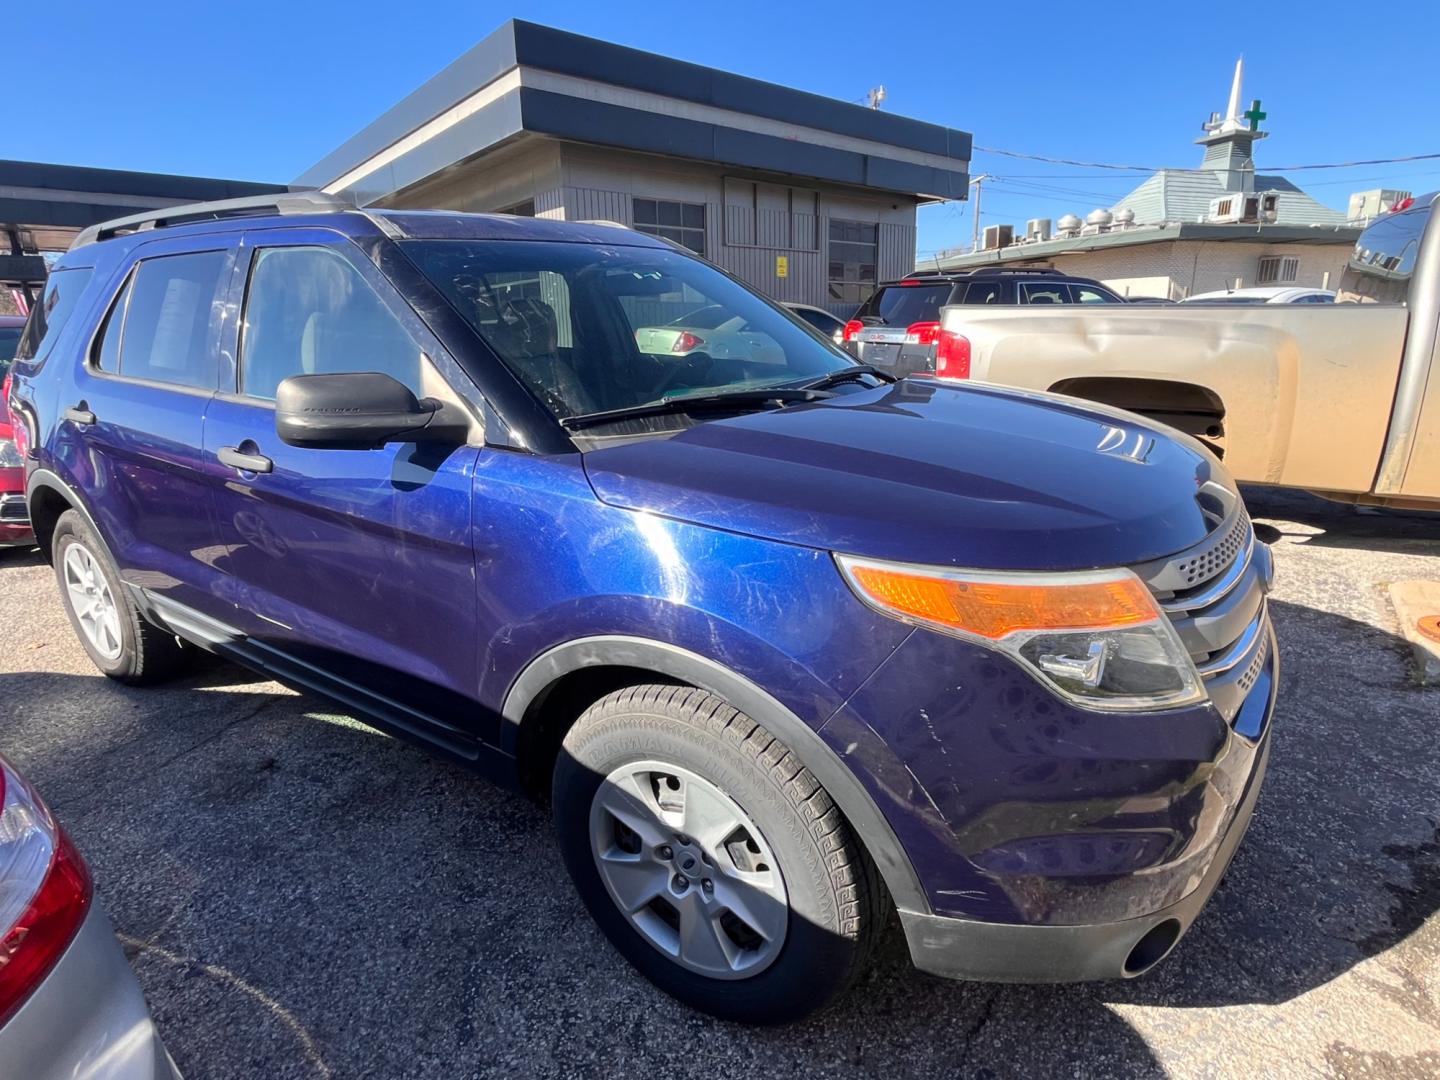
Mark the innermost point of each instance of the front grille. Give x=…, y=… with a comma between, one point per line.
x=1214, y=596
x=1208, y=563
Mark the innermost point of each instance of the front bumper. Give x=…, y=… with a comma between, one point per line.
x=1006, y=952
x=87, y=1019
x=14, y=520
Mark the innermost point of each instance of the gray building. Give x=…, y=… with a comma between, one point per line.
x=806, y=198
x=43, y=207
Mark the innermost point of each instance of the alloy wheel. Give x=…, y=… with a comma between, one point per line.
x=690, y=869
x=91, y=601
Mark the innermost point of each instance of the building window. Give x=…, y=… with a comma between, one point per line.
x=682, y=222
x=1275, y=269
x=520, y=209
x=851, y=260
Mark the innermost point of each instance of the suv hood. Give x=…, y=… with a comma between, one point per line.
x=929, y=472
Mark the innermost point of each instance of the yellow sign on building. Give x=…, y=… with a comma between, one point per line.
x=782, y=265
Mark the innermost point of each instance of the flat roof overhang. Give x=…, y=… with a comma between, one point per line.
x=53, y=203
x=532, y=80
x=1153, y=234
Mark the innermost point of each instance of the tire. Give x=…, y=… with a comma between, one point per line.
x=811, y=943
x=128, y=648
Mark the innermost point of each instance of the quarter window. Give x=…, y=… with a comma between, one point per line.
x=682, y=222
x=851, y=260
x=159, y=326
x=309, y=312
x=62, y=291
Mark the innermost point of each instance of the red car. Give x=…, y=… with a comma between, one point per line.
x=14, y=517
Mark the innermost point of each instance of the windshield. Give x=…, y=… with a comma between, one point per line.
x=590, y=328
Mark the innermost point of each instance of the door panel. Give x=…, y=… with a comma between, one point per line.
x=133, y=442
x=356, y=563
x=1422, y=474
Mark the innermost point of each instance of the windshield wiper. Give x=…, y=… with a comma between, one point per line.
x=680, y=403
x=845, y=375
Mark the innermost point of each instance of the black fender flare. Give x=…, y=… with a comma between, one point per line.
x=45, y=478
x=870, y=825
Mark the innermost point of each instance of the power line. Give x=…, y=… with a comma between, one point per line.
x=1153, y=168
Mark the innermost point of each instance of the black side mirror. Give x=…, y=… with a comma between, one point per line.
x=360, y=411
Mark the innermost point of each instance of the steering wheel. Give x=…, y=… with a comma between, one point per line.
x=696, y=365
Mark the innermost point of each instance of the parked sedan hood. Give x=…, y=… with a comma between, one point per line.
x=928, y=472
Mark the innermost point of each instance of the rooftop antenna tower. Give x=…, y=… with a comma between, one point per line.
x=875, y=97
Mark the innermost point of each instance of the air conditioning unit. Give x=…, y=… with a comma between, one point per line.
x=1245, y=208
x=1227, y=209
x=1037, y=229
x=998, y=236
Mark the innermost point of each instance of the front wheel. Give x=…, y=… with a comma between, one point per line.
x=712, y=859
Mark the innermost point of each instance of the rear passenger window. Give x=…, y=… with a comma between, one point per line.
x=1047, y=294
x=159, y=326
x=1086, y=295
x=309, y=312
x=989, y=292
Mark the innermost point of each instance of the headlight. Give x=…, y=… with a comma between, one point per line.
x=1097, y=637
x=9, y=456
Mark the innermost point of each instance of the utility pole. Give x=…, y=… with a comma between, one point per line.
x=976, y=183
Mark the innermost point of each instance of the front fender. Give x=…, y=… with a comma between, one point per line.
x=854, y=801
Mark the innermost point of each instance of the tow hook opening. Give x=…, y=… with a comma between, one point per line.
x=1153, y=947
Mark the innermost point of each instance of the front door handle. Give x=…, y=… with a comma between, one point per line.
x=78, y=415
x=256, y=463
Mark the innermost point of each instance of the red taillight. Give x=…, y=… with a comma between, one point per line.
x=853, y=327
x=686, y=341
x=922, y=333
x=45, y=891
x=952, y=356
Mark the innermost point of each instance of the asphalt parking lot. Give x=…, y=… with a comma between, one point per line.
x=303, y=897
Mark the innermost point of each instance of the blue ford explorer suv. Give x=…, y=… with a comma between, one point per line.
x=784, y=642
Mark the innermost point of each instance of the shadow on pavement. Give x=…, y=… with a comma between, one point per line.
x=1311, y=521
x=1342, y=861
x=303, y=896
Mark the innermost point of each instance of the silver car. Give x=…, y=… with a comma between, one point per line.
x=69, y=1004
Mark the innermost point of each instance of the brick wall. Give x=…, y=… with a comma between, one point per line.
x=1181, y=268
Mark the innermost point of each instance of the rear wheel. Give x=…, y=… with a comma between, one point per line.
x=109, y=625
x=713, y=860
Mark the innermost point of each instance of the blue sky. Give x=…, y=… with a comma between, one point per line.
x=262, y=90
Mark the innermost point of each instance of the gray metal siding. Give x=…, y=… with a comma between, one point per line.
x=729, y=227
x=592, y=204
x=896, y=256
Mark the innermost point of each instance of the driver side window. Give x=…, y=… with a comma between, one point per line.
x=309, y=312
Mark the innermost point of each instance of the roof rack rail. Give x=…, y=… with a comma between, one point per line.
x=1000, y=268
x=284, y=202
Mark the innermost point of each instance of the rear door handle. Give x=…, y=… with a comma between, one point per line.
x=256, y=463
x=77, y=415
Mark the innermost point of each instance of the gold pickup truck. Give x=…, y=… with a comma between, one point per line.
x=1342, y=399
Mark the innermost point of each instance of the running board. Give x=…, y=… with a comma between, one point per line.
x=385, y=712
